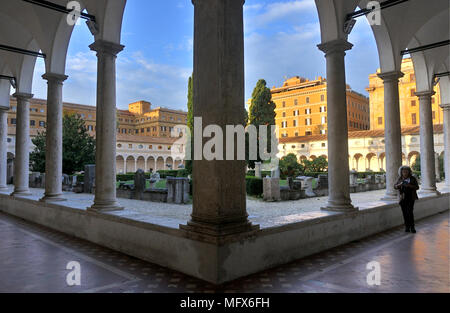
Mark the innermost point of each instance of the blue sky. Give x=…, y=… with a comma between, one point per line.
x=281, y=38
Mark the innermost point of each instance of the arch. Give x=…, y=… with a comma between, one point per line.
x=141, y=164
x=371, y=159
x=382, y=161
x=151, y=164
x=412, y=157
x=170, y=163
x=120, y=164
x=130, y=164
x=358, y=162
x=160, y=164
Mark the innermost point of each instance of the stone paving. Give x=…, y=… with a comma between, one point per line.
x=265, y=214
x=34, y=259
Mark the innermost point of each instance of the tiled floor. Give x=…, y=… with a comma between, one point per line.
x=34, y=259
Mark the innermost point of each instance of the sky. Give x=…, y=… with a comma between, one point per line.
x=281, y=38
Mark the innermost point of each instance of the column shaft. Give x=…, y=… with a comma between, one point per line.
x=338, y=154
x=22, y=159
x=219, y=204
x=446, y=108
x=3, y=149
x=105, y=170
x=54, y=138
x=393, y=132
x=427, y=161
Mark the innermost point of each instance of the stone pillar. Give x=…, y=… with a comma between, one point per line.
x=22, y=160
x=105, y=175
x=393, y=132
x=427, y=165
x=3, y=149
x=338, y=165
x=54, y=139
x=219, y=199
x=446, y=108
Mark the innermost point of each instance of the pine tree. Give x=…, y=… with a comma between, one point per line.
x=262, y=112
x=190, y=121
x=78, y=147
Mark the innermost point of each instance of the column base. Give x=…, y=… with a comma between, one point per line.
x=109, y=206
x=340, y=208
x=219, y=233
x=4, y=189
x=52, y=198
x=390, y=197
x=428, y=193
x=24, y=193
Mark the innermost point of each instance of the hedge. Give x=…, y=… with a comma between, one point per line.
x=254, y=186
x=263, y=173
x=166, y=173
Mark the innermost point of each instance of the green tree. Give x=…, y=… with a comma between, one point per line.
x=318, y=165
x=289, y=166
x=78, y=147
x=262, y=112
x=190, y=122
x=416, y=165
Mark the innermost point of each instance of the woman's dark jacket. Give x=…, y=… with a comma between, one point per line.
x=408, y=190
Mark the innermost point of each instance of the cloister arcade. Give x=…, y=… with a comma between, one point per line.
x=219, y=227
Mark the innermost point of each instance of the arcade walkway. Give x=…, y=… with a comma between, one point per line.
x=34, y=259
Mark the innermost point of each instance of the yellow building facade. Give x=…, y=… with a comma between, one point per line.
x=409, y=102
x=301, y=108
x=140, y=119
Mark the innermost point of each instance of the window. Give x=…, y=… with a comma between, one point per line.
x=119, y=145
x=324, y=120
x=307, y=99
x=296, y=113
x=413, y=92
x=130, y=146
x=284, y=104
x=413, y=103
x=323, y=109
x=303, y=146
x=414, y=119
x=324, y=145
x=284, y=124
x=308, y=121
x=284, y=114
x=322, y=98
x=296, y=102
x=412, y=77
x=308, y=111
x=42, y=124
x=42, y=110
x=323, y=132
x=150, y=147
x=295, y=123
x=308, y=133
x=90, y=128
x=13, y=121
x=296, y=134
x=32, y=123
x=434, y=115
x=380, y=121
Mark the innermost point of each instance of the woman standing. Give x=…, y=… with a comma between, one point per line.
x=407, y=185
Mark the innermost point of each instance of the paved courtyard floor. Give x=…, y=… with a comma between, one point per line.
x=34, y=259
x=265, y=214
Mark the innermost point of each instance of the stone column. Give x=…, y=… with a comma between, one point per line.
x=393, y=132
x=446, y=108
x=54, y=139
x=105, y=170
x=219, y=200
x=338, y=165
x=427, y=165
x=22, y=160
x=3, y=149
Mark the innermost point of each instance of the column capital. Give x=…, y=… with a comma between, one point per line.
x=57, y=78
x=194, y=2
x=445, y=106
x=426, y=93
x=102, y=46
x=23, y=96
x=338, y=45
x=391, y=76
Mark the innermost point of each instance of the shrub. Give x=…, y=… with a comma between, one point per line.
x=254, y=186
x=167, y=173
x=183, y=173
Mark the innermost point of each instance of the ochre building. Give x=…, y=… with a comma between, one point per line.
x=301, y=108
x=409, y=102
x=140, y=119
